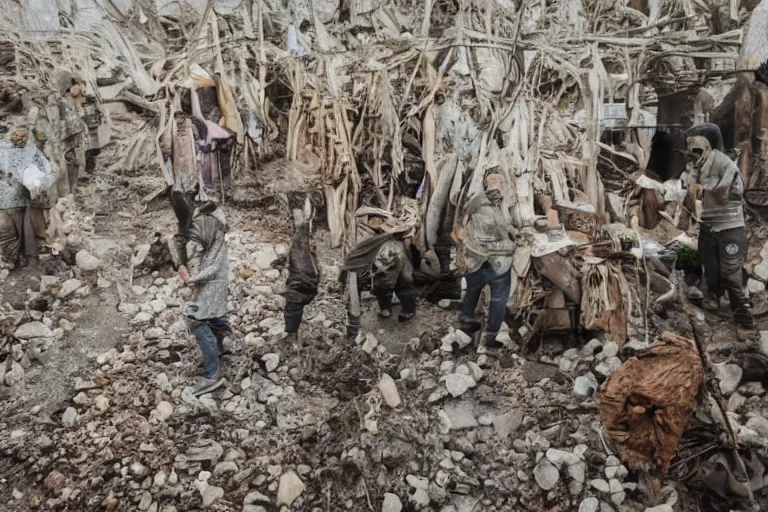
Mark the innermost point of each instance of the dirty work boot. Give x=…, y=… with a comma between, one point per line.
x=469, y=325
x=490, y=342
x=742, y=315
x=291, y=338
x=710, y=302
x=405, y=317
x=204, y=385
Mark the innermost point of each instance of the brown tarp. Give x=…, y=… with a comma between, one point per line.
x=647, y=403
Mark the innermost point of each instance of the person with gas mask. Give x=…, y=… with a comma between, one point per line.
x=487, y=248
x=719, y=185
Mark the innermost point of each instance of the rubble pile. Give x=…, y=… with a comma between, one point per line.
x=333, y=422
x=389, y=114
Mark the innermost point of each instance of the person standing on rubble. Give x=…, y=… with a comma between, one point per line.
x=723, y=236
x=382, y=263
x=487, y=247
x=207, y=311
x=21, y=225
x=303, y=273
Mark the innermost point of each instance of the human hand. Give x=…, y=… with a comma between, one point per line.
x=184, y=274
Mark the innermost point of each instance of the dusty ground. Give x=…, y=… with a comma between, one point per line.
x=109, y=424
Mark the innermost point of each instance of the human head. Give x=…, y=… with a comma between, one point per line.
x=493, y=183
x=699, y=150
x=700, y=141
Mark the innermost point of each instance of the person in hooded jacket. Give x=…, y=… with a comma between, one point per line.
x=303, y=273
x=207, y=310
x=723, y=236
x=488, y=247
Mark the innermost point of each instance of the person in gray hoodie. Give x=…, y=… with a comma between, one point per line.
x=207, y=311
x=723, y=235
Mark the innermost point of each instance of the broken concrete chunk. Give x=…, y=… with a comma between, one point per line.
x=458, y=383
x=388, y=390
x=69, y=287
x=507, y=423
x=391, y=503
x=461, y=415
x=87, y=262
x=33, y=330
x=289, y=489
x=729, y=376
x=546, y=474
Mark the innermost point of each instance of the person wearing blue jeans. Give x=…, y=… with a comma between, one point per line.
x=488, y=249
x=501, y=286
x=207, y=311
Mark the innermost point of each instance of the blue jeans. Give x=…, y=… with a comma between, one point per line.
x=208, y=333
x=501, y=286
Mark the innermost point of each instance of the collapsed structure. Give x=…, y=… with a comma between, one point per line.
x=391, y=113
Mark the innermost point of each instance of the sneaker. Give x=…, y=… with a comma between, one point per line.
x=385, y=313
x=405, y=317
x=204, y=385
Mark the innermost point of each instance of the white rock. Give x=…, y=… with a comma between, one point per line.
x=138, y=469
x=729, y=376
x=141, y=317
x=610, y=349
x=578, y=471
x=264, y=257
x=546, y=474
x=759, y=425
x=460, y=415
x=391, y=503
x=475, y=371
x=660, y=508
x=370, y=343
x=388, y=390
x=590, y=504
x=271, y=362
x=33, y=330
x=15, y=375
x=48, y=282
x=585, y=386
x=600, y=485
x=289, y=489
x=210, y=493
x=69, y=287
x=86, y=261
x=224, y=467
x=562, y=457
x=164, y=410
x=755, y=286
x=69, y=417
x=160, y=478
x=154, y=333
x=158, y=305
x=591, y=347
x=507, y=423
x=458, y=383
x=101, y=402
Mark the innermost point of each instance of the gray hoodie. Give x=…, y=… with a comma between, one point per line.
x=212, y=281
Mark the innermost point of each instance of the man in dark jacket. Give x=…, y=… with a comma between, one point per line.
x=303, y=273
x=723, y=236
x=382, y=263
